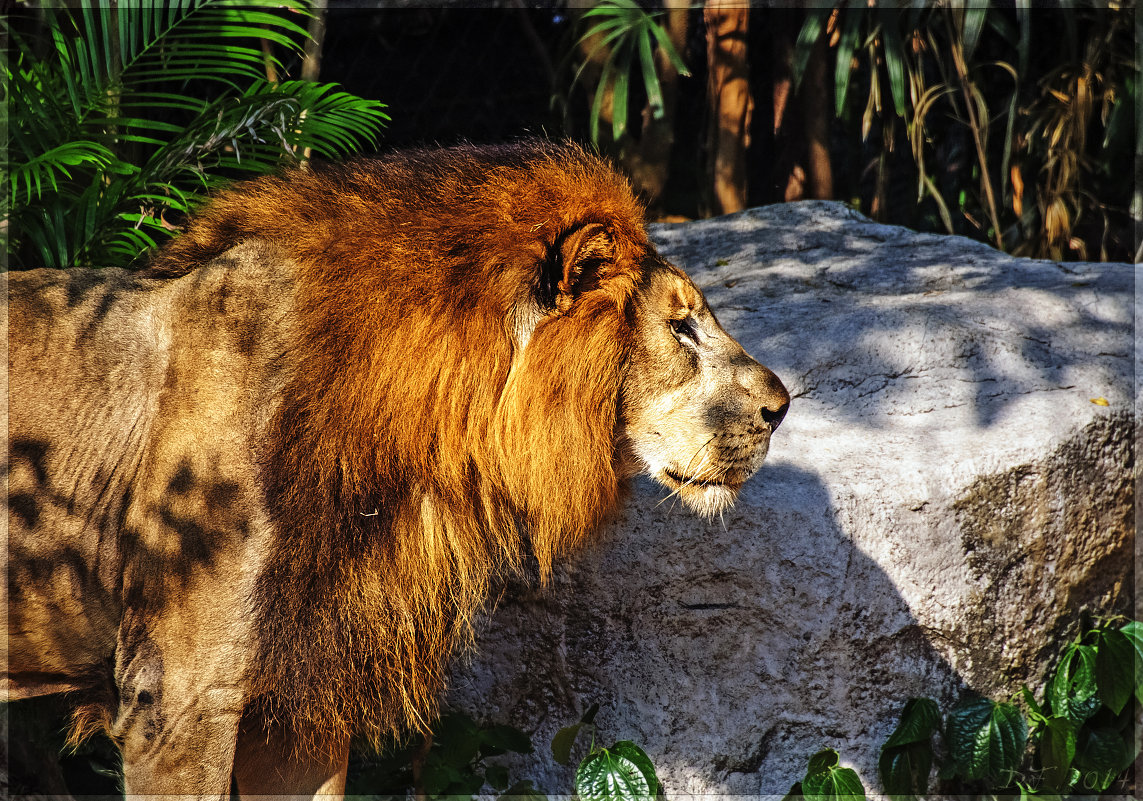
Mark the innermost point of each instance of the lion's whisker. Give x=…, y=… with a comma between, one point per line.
x=694, y=477
x=696, y=453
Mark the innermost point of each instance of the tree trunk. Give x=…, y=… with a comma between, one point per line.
x=311, y=64
x=729, y=104
x=801, y=119
x=815, y=99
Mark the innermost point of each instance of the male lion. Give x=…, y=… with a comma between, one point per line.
x=257, y=493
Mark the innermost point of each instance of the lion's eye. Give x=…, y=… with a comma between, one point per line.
x=683, y=329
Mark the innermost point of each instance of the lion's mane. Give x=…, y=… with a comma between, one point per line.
x=418, y=452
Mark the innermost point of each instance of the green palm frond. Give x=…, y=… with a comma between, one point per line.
x=135, y=111
x=628, y=34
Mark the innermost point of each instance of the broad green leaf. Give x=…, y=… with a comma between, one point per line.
x=905, y=769
x=565, y=738
x=496, y=776
x=837, y=784
x=456, y=738
x=920, y=718
x=638, y=757
x=822, y=761
x=826, y=781
x=795, y=793
x=1115, y=669
x=1103, y=751
x=1073, y=692
x=1133, y=631
x=606, y=776
x=1057, y=751
x=437, y=777
x=501, y=739
x=986, y=739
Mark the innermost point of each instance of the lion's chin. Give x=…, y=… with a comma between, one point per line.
x=706, y=498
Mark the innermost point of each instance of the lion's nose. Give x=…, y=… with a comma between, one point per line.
x=775, y=416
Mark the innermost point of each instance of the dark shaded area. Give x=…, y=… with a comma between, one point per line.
x=33, y=746
x=636, y=641
x=486, y=75
x=39, y=764
x=446, y=74
x=469, y=74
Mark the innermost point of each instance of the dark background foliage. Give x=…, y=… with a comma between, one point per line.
x=490, y=74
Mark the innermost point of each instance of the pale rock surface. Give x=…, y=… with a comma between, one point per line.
x=941, y=502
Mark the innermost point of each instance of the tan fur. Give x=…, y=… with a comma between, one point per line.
x=417, y=373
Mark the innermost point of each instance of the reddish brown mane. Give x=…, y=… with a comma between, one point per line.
x=417, y=452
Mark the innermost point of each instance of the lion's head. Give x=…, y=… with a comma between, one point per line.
x=697, y=410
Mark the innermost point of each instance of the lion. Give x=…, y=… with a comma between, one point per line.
x=258, y=492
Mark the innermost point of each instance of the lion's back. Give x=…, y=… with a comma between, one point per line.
x=134, y=403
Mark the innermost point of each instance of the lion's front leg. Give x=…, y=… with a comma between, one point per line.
x=268, y=762
x=180, y=704
x=185, y=750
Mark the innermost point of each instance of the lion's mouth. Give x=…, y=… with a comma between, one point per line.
x=706, y=496
x=693, y=481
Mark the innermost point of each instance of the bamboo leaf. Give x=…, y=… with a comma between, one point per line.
x=850, y=30
x=619, y=103
x=808, y=37
x=894, y=50
x=669, y=49
x=650, y=78
x=974, y=17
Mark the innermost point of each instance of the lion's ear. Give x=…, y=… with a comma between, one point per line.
x=581, y=253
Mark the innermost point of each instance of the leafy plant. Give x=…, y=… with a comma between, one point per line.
x=1036, y=131
x=985, y=740
x=622, y=772
x=1081, y=736
x=907, y=756
x=826, y=780
x=624, y=32
x=1085, y=726
x=455, y=762
x=121, y=116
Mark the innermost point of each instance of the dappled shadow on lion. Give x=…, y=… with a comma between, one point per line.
x=258, y=491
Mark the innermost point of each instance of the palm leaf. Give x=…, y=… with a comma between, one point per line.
x=106, y=139
x=630, y=33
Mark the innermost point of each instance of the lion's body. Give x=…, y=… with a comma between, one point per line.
x=257, y=495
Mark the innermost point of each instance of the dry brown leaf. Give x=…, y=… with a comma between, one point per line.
x=1017, y=191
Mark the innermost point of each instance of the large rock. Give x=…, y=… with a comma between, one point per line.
x=941, y=503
